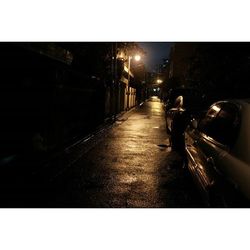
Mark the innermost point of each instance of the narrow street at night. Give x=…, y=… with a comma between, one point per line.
x=129, y=165
x=124, y=125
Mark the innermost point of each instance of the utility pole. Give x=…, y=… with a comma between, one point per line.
x=111, y=96
x=116, y=84
x=129, y=61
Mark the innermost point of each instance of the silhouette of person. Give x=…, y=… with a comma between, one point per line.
x=178, y=127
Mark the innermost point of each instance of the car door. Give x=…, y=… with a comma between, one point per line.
x=198, y=158
x=219, y=132
x=216, y=135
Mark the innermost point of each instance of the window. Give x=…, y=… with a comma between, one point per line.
x=208, y=124
x=221, y=123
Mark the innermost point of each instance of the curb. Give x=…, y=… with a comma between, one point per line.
x=108, y=123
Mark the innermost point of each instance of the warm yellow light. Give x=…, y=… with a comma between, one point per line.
x=159, y=81
x=137, y=58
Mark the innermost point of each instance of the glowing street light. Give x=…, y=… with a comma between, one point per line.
x=137, y=58
x=159, y=81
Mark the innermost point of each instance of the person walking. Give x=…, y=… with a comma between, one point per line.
x=178, y=126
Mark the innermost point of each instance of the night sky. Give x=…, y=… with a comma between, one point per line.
x=155, y=52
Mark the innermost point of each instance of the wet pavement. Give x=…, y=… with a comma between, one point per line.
x=125, y=165
x=128, y=165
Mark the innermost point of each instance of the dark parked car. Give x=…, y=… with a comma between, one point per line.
x=218, y=153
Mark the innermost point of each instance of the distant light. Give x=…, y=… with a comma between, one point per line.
x=159, y=81
x=158, y=89
x=137, y=58
x=154, y=89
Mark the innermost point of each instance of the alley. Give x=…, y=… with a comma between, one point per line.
x=129, y=165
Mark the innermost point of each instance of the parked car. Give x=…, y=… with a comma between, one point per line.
x=218, y=153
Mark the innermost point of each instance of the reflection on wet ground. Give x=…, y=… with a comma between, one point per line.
x=128, y=167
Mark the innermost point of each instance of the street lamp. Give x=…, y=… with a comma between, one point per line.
x=137, y=58
x=159, y=81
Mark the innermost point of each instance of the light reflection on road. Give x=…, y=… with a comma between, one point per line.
x=138, y=156
x=128, y=167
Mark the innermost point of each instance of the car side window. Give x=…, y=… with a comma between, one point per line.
x=228, y=121
x=207, y=125
x=222, y=123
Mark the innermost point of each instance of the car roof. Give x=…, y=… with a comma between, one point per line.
x=243, y=101
x=235, y=101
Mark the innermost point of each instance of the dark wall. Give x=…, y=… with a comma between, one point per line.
x=44, y=103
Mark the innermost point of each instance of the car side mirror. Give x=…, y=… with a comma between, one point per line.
x=194, y=123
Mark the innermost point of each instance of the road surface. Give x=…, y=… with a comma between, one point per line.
x=128, y=165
